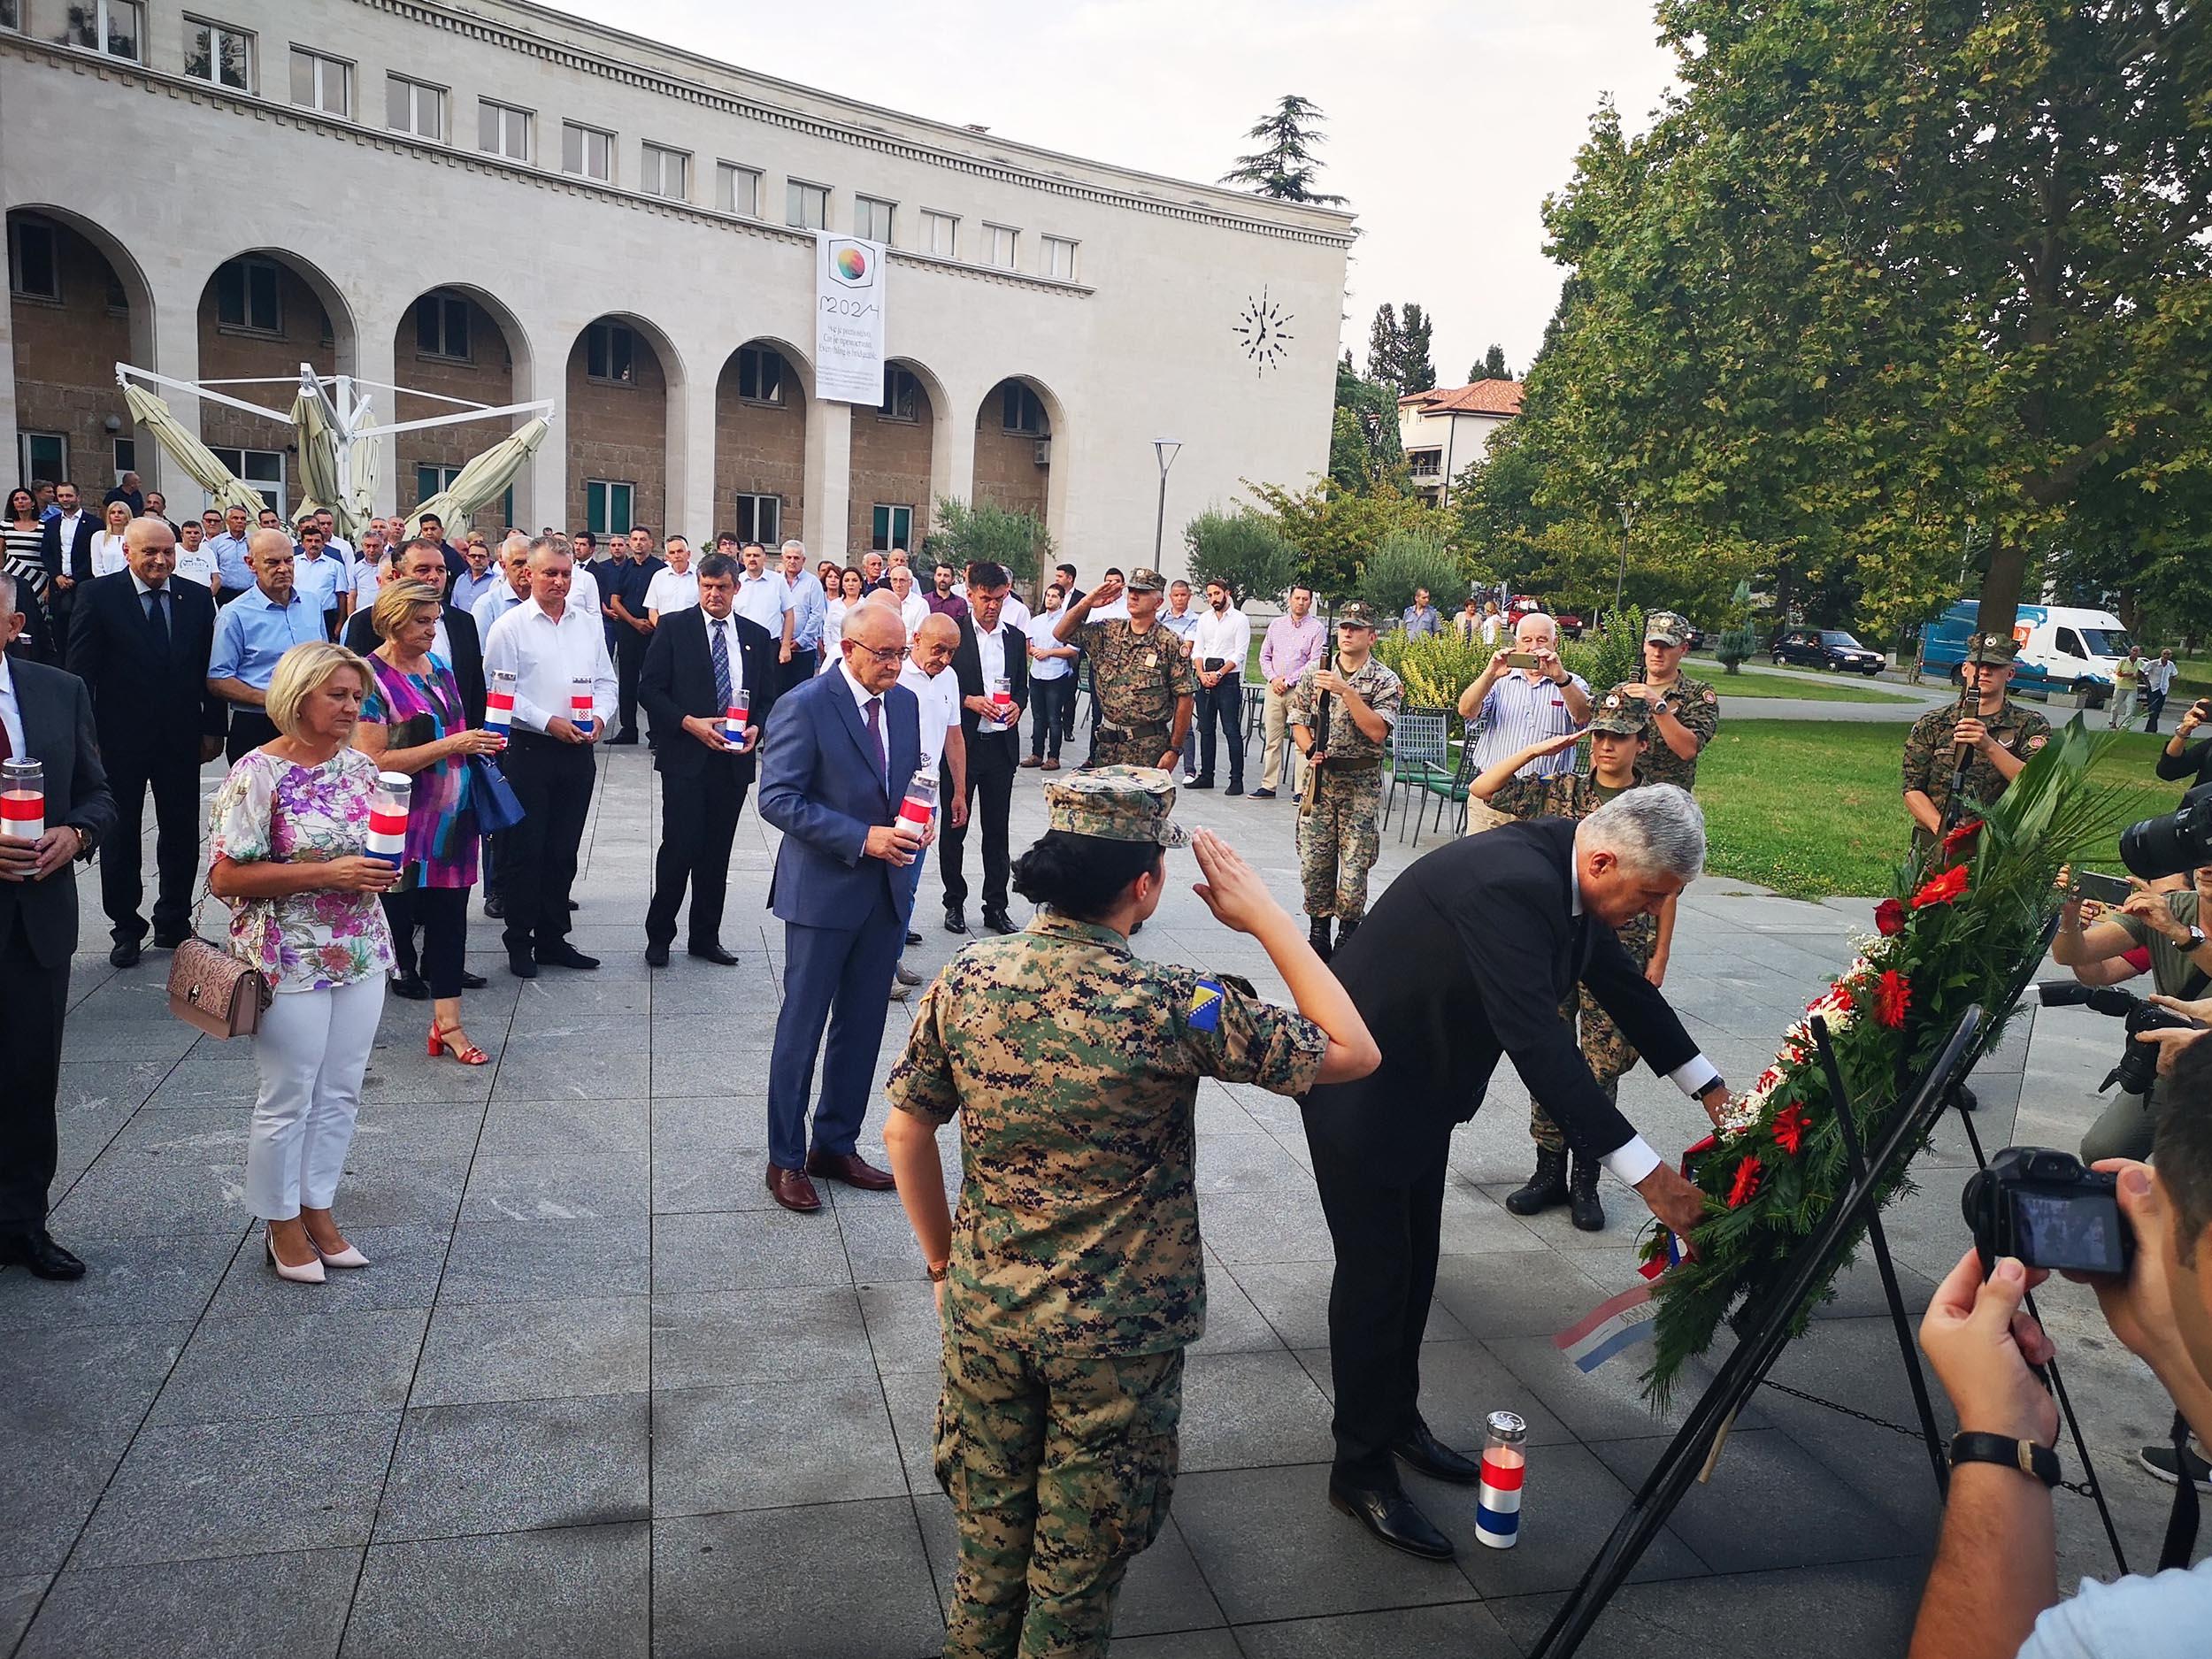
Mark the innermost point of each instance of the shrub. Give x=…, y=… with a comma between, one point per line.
x=1242, y=548
x=967, y=535
x=1735, y=647
x=1611, y=652
x=1435, y=671
x=1406, y=559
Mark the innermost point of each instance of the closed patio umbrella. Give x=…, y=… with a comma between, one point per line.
x=319, y=451
x=227, y=489
x=484, y=477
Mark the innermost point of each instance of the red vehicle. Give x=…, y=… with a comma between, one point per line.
x=1570, y=625
x=1521, y=604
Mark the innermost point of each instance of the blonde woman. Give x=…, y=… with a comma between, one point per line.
x=107, y=544
x=288, y=837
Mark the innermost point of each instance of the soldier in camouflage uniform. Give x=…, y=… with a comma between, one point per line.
x=1620, y=760
x=1071, y=1281
x=1341, y=715
x=1685, y=713
x=1142, y=679
x=2001, y=733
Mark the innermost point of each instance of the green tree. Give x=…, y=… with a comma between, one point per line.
x=1332, y=530
x=968, y=535
x=1410, y=558
x=1363, y=445
x=1383, y=346
x=1491, y=368
x=1416, y=369
x=1287, y=163
x=1243, y=549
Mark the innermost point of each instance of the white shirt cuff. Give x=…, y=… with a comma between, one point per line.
x=1695, y=1076
x=1632, y=1162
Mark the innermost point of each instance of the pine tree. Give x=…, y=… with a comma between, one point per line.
x=1417, y=370
x=1491, y=368
x=1285, y=165
x=1382, y=347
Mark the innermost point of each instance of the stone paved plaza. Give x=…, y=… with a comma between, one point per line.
x=598, y=1396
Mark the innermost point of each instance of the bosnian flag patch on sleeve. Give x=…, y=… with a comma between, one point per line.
x=1204, y=1013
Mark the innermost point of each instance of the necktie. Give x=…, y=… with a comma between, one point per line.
x=721, y=633
x=158, y=613
x=875, y=736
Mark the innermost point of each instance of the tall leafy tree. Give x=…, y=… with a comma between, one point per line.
x=1287, y=164
x=1416, y=369
x=1492, y=367
x=1383, y=341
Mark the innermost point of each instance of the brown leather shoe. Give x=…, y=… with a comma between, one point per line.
x=852, y=1169
x=793, y=1190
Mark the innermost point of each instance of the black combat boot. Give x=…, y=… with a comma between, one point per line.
x=1583, y=1208
x=1318, y=936
x=1547, y=1187
x=1345, y=928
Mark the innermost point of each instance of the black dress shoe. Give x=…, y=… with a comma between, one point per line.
x=999, y=922
x=1393, y=1518
x=656, y=954
x=1234, y=788
x=410, y=986
x=520, y=965
x=1200, y=783
x=37, y=1251
x=954, y=923
x=573, y=905
x=168, y=941
x=1422, y=1450
x=125, y=954
x=565, y=955
x=495, y=907
x=912, y=938
x=713, y=953
x=473, y=981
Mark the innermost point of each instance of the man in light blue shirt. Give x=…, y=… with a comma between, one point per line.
x=482, y=577
x=252, y=633
x=808, y=607
x=319, y=576
x=1420, y=619
x=231, y=562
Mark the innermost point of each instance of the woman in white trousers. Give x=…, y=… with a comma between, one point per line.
x=290, y=834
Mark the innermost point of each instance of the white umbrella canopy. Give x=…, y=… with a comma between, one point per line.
x=226, y=487
x=319, y=451
x=484, y=477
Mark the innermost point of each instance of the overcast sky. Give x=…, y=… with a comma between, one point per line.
x=1449, y=121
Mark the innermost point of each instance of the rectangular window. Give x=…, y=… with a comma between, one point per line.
x=901, y=395
x=322, y=83
x=805, y=206
x=414, y=106
x=941, y=234
x=263, y=469
x=760, y=518
x=442, y=326
x=431, y=480
x=665, y=172
x=871, y=218
x=246, y=296
x=611, y=354
x=894, y=527
x=998, y=244
x=588, y=152
x=114, y=27
x=1022, y=410
x=502, y=130
x=34, y=260
x=760, y=374
x=125, y=458
x=11, y=14
x=1058, y=258
x=217, y=52
x=43, y=456
x=1424, y=463
x=607, y=506
x=737, y=189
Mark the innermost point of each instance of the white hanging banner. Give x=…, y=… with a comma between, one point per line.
x=848, y=318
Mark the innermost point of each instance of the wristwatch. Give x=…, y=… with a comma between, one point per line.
x=2196, y=938
x=937, y=1277
x=1969, y=1447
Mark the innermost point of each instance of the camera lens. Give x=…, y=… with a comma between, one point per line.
x=2181, y=840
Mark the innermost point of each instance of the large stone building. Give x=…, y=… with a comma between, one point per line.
x=497, y=202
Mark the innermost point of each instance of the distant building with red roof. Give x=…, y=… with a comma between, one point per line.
x=1447, y=428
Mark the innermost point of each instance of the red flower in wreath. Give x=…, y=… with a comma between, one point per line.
x=1746, y=1183
x=1889, y=917
x=1962, y=834
x=1944, y=889
x=1789, y=1124
x=1891, y=998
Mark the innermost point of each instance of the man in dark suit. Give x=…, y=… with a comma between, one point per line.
x=423, y=560
x=839, y=755
x=140, y=641
x=990, y=654
x=699, y=660
x=66, y=549
x=46, y=715
x=1468, y=956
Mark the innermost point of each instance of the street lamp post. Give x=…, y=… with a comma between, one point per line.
x=1165, y=448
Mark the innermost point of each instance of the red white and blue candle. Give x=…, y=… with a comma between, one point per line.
x=23, y=799
x=388, y=818
x=1002, y=703
x=733, y=716
x=580, y=712
x=499, y=703
x=1504, y=1463
x=920, y=804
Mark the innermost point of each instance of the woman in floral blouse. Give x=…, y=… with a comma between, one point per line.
x=288, y=828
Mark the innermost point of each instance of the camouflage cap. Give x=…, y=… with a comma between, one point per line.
x=1358, y=614
x=1141, y=581
x=1626, y=717
x=1116, y=803
x=1994, y=651
x=1667, y=628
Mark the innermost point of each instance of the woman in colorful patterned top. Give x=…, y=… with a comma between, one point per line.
x=288, y=833
x=413, y=721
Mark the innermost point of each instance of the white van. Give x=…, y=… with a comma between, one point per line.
x=2064, y=648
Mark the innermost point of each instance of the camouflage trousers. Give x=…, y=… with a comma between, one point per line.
x=1127, y=751
x=1337, y=843
x=1609, y=1053
x=1060, y=1469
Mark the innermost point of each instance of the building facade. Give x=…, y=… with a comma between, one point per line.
x=1449, y=428
x=501, y=203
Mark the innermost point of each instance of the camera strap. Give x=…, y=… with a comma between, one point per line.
x=2181, y=1520
x=2196, y=985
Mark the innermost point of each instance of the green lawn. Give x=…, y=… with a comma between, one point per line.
x=1812, y=808
x=1828, y=688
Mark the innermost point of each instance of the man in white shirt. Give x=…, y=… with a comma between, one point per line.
x=369, y=571
x=912, y=606
x=484, y=577
x=558, y=656
x=927, y=674
x=195, y=560
x=1051, y=682
x=764, y=597
x=674, y=588
x=335, y=544
x=1219, y=645
x=2158, y=680
x=1179, y=618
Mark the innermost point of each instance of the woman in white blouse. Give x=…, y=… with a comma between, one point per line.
x=107, y=545
x=849, y=583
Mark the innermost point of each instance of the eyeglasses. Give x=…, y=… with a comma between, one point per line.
x=895, y=654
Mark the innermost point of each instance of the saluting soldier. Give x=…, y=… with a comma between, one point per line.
x=1999, y=734
x=1341, y=715
x=1143, y=682
x=1685, y=713
x=1620, y=757
x=1071, y=1282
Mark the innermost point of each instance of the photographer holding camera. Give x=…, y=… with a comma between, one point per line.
x=1994, y=1590
x=2180, y=759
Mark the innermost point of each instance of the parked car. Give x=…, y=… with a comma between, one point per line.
x=1520, y=606
x=1570, y=625
x=1826, y=647
x=2062, y=648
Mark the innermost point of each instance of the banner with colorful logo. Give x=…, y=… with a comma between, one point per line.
x=848, y=318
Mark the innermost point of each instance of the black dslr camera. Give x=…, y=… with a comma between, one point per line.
x=2043, y=1207
x=2180, y=840
x=2138, y=1061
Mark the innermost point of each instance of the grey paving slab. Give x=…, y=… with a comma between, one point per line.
x=1515, y=1294
x=912, y=1399
x=50, y=1482
x=1182, y=1644
x=903, y=1330
x=479, y=1351
x=562, y=1593
x=403, y=1272
x=274, y=1365
x=288, y=1605
x=90, y=1377
x=1464, y=1629
x=1234, y=1324
x=147, y=1279
x=546, y=1129
x=1461, y=1383
x=1604, y=1404
x=1292, y=1297
x=510, y=1466
x=713, y=1338
x=18, y=1600
x=1250, y=1411
x=752, y=1249
x=548, y=1261
x=537, y=1186
x=756, y=1445
x=127, y=1194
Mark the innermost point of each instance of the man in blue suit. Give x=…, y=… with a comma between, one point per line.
x=838, y=753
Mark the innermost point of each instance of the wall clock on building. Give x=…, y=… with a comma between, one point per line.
x=1262, y=328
